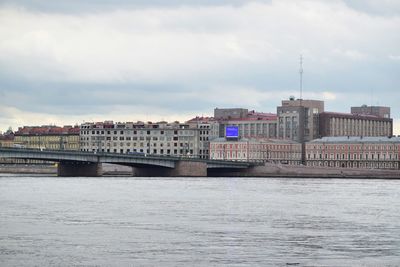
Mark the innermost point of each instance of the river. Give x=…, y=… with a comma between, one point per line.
x=114, y=221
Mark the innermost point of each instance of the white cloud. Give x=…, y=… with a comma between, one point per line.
x=393, y=57
x=396, y=127
x=182, y=43
x=240, y=55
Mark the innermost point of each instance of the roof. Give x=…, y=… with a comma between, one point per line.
x=201, y=119
x=356, y=139
x=48, y=130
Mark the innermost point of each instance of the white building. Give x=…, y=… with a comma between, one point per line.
x=162, y=138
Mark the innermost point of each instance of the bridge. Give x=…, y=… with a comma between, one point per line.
x=78, y=163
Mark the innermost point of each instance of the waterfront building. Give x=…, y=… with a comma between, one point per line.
x=161, y=138
x=298, y=119
x=48, y=137
x=346, y=124
x=261, y=150
x=354, y=152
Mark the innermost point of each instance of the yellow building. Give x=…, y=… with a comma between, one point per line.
x=48, y=137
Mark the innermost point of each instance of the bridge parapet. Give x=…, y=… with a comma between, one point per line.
x=78, y=163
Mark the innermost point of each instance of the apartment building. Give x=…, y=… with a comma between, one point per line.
x=161, y=138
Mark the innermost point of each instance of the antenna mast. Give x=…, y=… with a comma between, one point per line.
x=301, y=76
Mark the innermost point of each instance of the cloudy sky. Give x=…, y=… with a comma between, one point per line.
x=69, y=61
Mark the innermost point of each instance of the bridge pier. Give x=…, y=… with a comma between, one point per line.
x=79, y=169
x=182, y=169
x=185, y=168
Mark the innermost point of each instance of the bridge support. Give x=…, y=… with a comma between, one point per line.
x=182, y=169
x=79, y=169
x=189, y=169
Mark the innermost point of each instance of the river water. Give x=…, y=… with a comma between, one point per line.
x=198, y=222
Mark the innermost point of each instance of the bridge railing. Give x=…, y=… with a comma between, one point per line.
x=127, y=155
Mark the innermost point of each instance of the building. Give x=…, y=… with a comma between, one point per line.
x=161, y=138
x=7, y=139
x=298, y=120
x=251, y=124
x=378, y=111
x=263, y=150
x=345, y=124
x=354, y=152
x=48, y=137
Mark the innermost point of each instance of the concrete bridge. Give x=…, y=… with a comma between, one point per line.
x=77, y=163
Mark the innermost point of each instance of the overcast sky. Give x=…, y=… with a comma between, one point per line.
x=69, y=61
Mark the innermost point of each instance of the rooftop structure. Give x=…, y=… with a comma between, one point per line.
x=378, y=111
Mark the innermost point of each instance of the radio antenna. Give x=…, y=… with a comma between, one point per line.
x=301, y=76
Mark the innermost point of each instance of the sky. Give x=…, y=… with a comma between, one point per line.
x=67, y=62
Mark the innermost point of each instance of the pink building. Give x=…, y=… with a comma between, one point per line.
x=271, y=150
x=354, y=152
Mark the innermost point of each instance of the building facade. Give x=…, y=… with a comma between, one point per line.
x=48, y=137
x=162, y=138
x=260, y=150
x=344, y=124
x=298, y=119
x=354, y=152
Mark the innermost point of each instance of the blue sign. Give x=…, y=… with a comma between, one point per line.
x=232, y=131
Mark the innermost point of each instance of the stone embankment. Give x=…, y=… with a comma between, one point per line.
x=28, y=169
x=279, y=170
x=46, y=169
